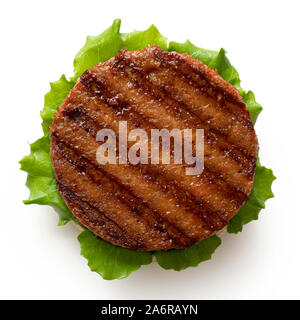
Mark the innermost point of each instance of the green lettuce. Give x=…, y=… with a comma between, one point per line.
x=110, y=261
x=113, y=262
x=40, y=180
x=53, y=99
x=98, y=49
x=260, y=192
x=183, y=258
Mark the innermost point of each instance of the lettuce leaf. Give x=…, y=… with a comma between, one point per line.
x=141, y=39
x=106, y=45
x=98, y=49
x=206, y=56
x=53, y=99
x=260, y=192
x=110, y=261
x=183, y=258
x=41, y=181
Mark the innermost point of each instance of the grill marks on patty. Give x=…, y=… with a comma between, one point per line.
x=163, y=115
x=92, y=114
x=120, y=228
x=153, y=207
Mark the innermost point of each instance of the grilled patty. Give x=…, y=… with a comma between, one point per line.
x=153, y=207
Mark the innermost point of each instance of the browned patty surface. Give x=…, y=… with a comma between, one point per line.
x=153, y=207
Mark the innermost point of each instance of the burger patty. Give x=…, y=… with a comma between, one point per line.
x=153, y=207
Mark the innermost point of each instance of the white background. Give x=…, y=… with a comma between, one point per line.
x=38, y=41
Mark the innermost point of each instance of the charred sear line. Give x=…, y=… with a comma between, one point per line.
x=179, y=64
x=102, y=222
x=213, y=219
x=73, y=195
x=72, y=113
x=231, y=192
